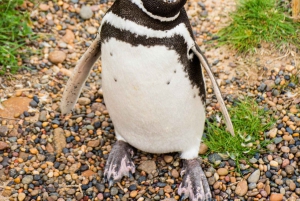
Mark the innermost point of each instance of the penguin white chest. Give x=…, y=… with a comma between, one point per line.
x=150, y=98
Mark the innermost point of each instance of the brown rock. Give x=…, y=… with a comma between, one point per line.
x=93, y=143
x=268, y=189
x=3, y=145
x=203, y=148
x=88, y=173
x=59, y=140
x=292, y=186
x=74, y=167
x=276, y=197
x=222, y=171
x=273, y=132
x=168, y=189
x=133, y=194
x=168, y=158
x=14, y=105
x=57, y=56
x=49, y=148
x=147, y=166
x=175, y=173
x=241, y=188
x=6, y=192
x=69, y=37
x=33, y=151
x=44, y=7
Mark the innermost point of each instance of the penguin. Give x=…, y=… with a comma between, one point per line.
x=153, y=87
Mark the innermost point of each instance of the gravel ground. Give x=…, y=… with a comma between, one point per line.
x=44, y=156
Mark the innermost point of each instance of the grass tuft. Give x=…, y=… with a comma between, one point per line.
x=249, y=122
x=257, y=21
x=14, y=30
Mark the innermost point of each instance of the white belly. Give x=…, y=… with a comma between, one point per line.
x=150, y=98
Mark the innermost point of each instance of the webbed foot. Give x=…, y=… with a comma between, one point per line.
x=119, y=162
x=194, y=184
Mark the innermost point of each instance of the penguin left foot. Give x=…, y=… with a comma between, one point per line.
x=119, y=162
x=194, y=184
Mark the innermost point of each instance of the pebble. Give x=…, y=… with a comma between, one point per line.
x=222, y=171
x=57, y=56
x=254, y=177
x=242, y=188
x=276, y=197
x=27, y=179
x=3, y=145
x=91, y=30
x=86, y=12
x=84, y=101
x=168, y=158
x=289, y=169
x=147, y=166
x=21, y=196
x=203, y=148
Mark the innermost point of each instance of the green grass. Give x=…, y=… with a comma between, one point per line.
x=249, y=123
x=257, y=21
x=14, y=30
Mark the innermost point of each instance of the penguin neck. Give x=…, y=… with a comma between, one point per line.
x=162, y=10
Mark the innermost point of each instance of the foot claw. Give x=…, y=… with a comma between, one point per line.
x=194, y=184
x=110, y=183
x=119, y=163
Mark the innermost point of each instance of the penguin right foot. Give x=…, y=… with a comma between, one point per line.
x=194, y=184
x=119, y=162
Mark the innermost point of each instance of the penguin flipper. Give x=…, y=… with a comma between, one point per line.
x=80, y=74
x=217, y=91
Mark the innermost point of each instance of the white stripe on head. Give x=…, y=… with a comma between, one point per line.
x=139, y=3
x=134, y=28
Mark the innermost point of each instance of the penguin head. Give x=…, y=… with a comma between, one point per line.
x=163, y=8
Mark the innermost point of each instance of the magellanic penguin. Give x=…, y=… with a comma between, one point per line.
x=153, y=87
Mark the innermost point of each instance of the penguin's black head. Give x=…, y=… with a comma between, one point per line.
x=163, y=8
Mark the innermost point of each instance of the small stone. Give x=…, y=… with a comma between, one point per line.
x=147, y=166
x=86, y=12
x=292, y=186
x=33, y=151
x=88, y=173
x=175, y=173
x=222, y=171
x=3, y=130
x=69, y=37
x=242, y=188
x=276, y=197
x=93, y=143
x=3, y=145
x=44, y=7
x=254, y=177
x=113, y=191
x=57, y=56
x=91, y=30
x=21, y=196
x=133, y=194
x=168, y=158
x=273, y=132
x=168, y=189
x=274, y=163
x=203, y=148
x=33, y=104
x=27, y=179
x=84, y=101
x=285, y=149
x=289, y=169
